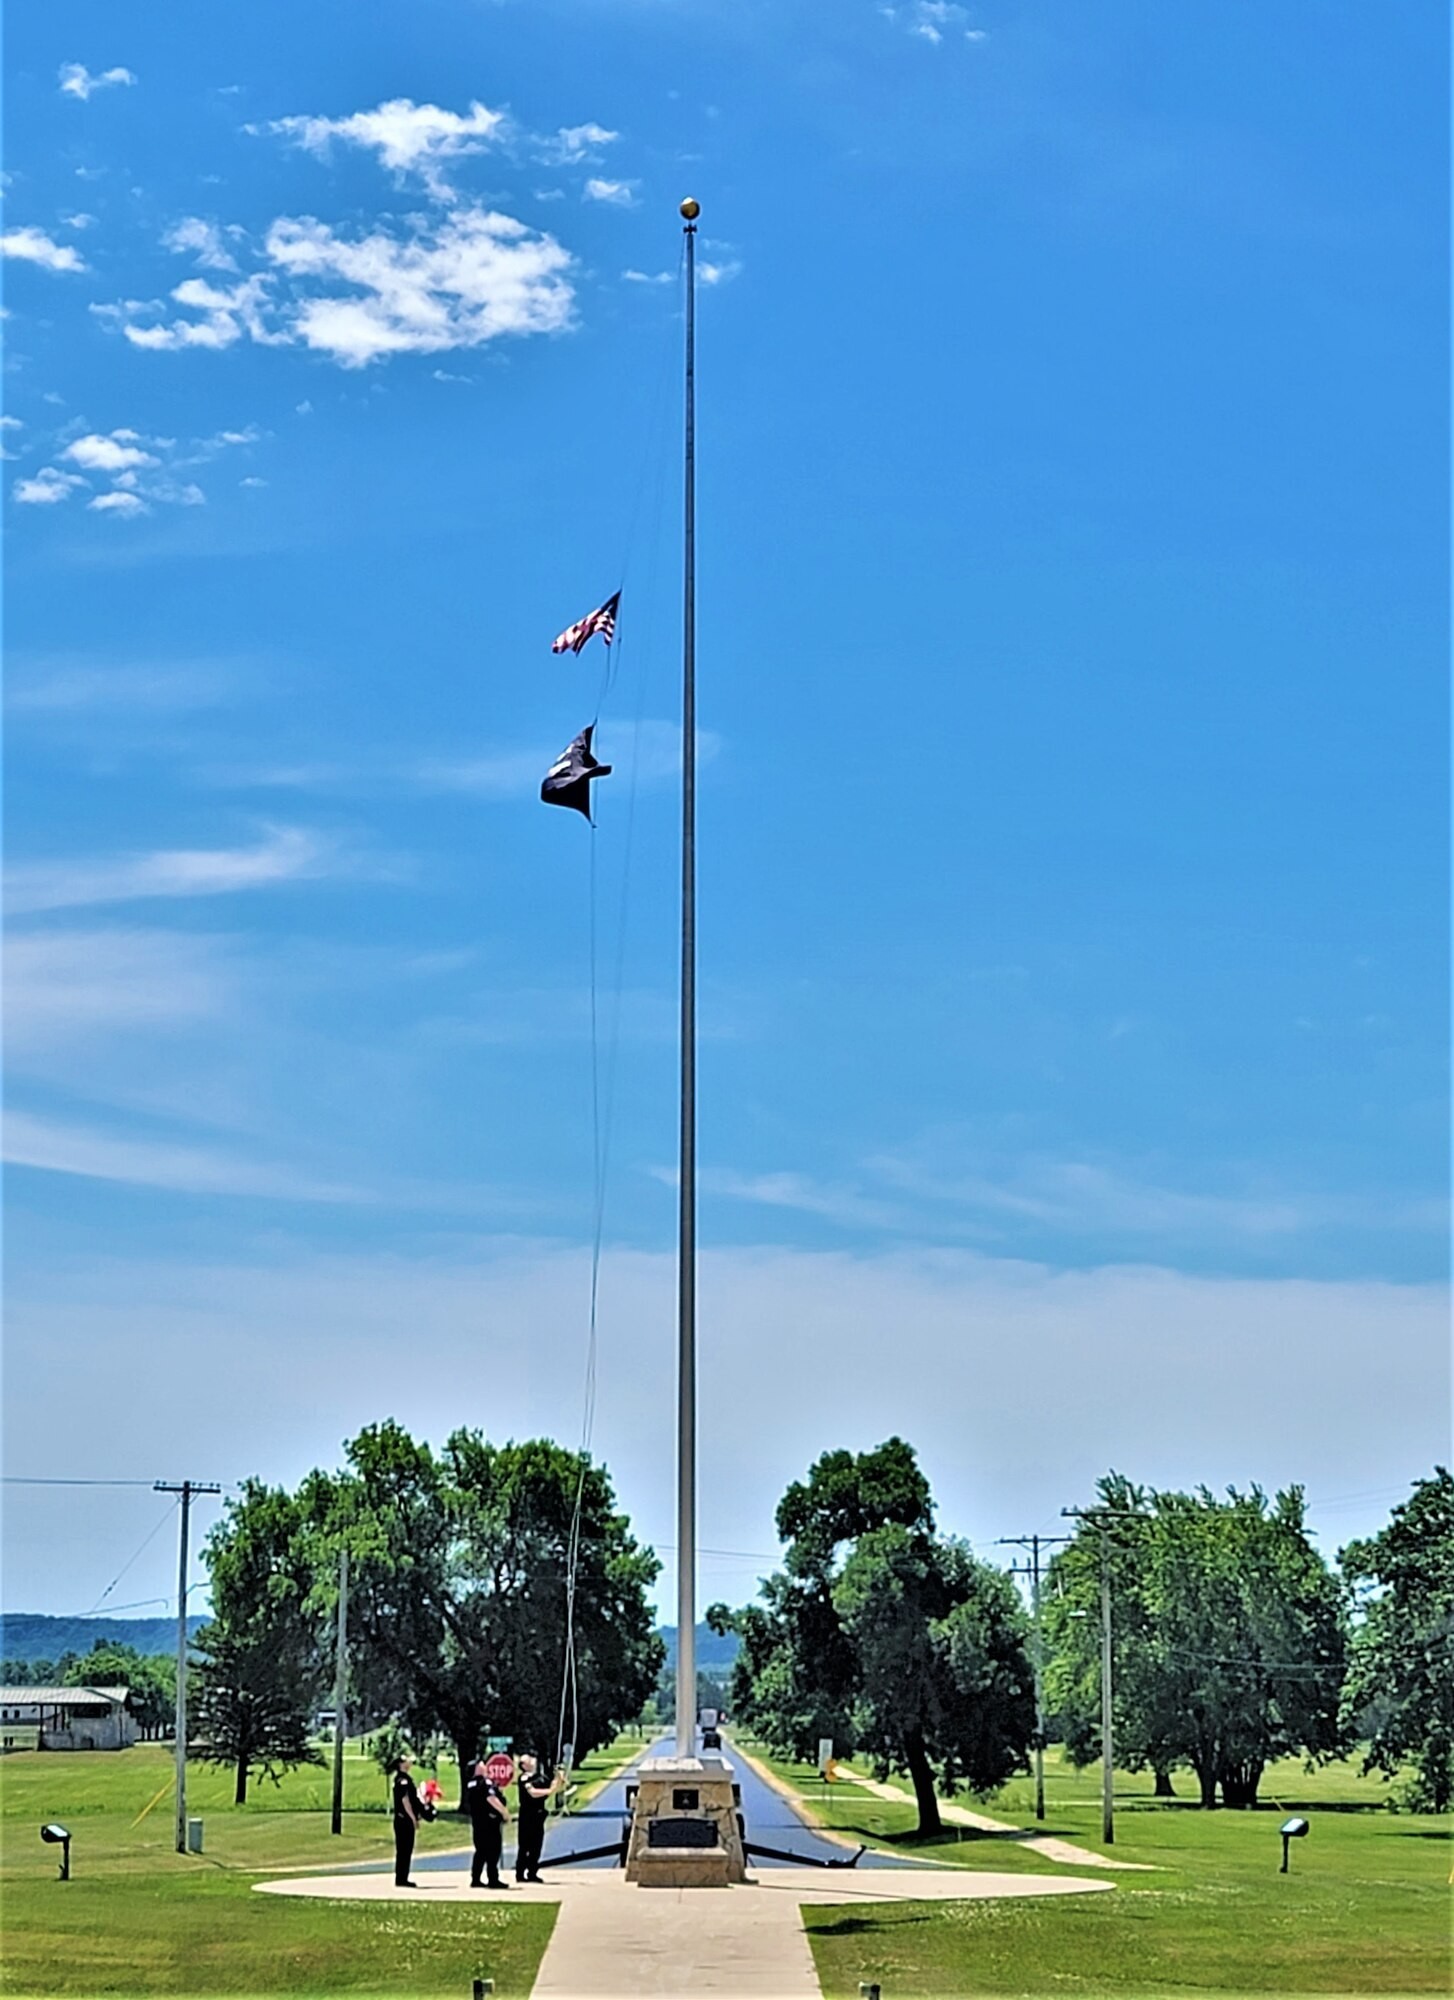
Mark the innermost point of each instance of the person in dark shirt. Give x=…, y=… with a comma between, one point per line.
x=488, y=1811
x=407, y=1814
x=534, y=1791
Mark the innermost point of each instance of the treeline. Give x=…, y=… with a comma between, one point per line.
x=464, y=1568
x=151, y=1677
x=1234, y=1640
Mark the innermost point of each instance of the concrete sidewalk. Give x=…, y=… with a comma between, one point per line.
x=1054, y=1849
x=614, y=1938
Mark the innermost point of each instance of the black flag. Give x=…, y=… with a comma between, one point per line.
x=568, y=781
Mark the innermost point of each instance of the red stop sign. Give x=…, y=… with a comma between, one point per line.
x=500, y=1769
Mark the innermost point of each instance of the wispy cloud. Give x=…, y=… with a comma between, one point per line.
x=33, y=246
x=617, y=194
x=142, y=471
x=574, y=143
x=66, y=986
x=1071, y=1201
x=56, y=1148
x=470, y=277
x=286, y=854
x=77, y=81
x=409, y=139
x=55, y=689
x=931, y=20
x=203, y=240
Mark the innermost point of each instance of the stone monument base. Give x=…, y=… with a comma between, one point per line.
x=686, y=1832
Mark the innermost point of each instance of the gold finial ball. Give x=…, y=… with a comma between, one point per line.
x=691, y=209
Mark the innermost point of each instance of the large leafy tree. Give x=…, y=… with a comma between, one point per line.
x=1229, y=1635
x=151, y=1678
x=884, y=1635
x=262, y=1664
x=1399, y=1695
x=462, y=1588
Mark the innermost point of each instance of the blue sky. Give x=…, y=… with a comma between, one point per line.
x=1074, y=759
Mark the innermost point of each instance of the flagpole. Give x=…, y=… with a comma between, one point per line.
x=686, y=1691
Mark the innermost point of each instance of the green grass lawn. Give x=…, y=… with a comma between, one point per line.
x=137, y=1918
x=1365, y=1908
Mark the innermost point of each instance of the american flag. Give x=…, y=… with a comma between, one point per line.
x=602, y=621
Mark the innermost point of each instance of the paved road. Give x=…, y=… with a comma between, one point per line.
x=770, y=1819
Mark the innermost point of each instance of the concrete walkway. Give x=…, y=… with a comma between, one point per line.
x=1064, y=1851
x=614, y=1938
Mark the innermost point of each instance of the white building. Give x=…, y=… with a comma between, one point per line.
x=65, y=1718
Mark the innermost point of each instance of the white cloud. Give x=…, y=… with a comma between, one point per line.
x=180, y=1169
x=118, y=452
x=80, y=220
x=930, y=20
x=719, y=272
x=62, y=987
x=227, y=314
x=252, y=482
x=1017, y=1384
x=203, y=240
x=573, y=143
x=649, y=277
x=12, y=423
x=33, y=246
x=408, y=138
x=619, y=194
x=119, y=503
x=78, y=81
x=46, y=488
x=457, y=283
x=74, y=690
x=479, y=275
x=1027, y=1198
x=287, y=854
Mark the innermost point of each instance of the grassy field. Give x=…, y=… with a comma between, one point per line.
x=1365, y=1908
x=137, y=1918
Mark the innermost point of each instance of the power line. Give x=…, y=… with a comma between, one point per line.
x=15, y=1479
x=145, y=1544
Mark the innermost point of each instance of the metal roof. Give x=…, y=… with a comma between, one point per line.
x=34, y=1697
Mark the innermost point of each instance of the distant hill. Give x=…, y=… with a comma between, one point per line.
x=715, y=1654
x=31, y=1635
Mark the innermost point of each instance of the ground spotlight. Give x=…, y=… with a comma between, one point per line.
x=59, y=1836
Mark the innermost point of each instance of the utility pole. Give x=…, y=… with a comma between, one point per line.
x=188, y=1490
x=1108, y=1748
x=1099, y=1517
x=1034, y=1543
x=340, y=1691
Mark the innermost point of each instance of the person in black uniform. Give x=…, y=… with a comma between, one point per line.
x=488, y=1811
x=534, y=1791
x=407, y=1814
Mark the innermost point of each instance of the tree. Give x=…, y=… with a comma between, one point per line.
x=1399, y=1694
x=943, y=1676
x=28, y=1673
x=459, y=1597
x=151, y=1678
x=885, y=1636
x=262, y=1666
x=1229, y=1635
